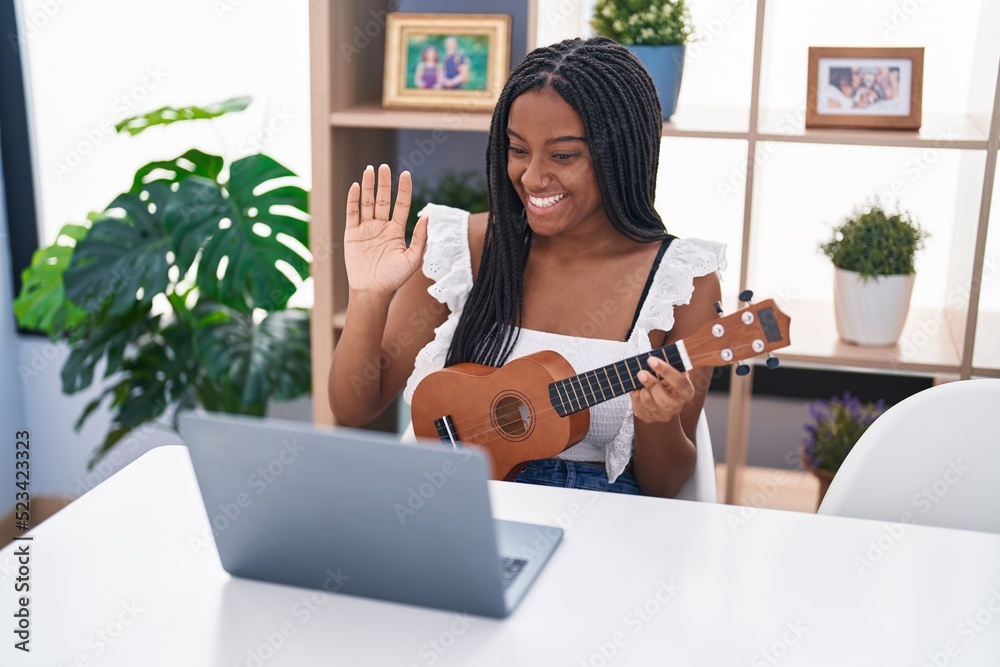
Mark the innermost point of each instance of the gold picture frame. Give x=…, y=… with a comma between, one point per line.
x=445, y=61
x=877, y=87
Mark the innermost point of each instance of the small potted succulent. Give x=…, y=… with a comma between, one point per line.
x=656, y=32
x=835, y=427
x=873, y=253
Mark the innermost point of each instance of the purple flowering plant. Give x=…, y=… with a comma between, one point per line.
x=837, y=424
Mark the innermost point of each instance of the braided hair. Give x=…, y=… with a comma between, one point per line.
x=618, y=104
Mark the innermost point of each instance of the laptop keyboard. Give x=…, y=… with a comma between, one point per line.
x=510, y=568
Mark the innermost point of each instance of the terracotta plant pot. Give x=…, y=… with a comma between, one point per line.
x=824, y=477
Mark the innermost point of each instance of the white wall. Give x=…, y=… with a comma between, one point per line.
x=91, y=63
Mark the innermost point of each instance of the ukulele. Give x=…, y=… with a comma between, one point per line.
x=536, y=406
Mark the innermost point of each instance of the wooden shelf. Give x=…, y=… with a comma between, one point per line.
x=815, y=342
x=704, y=122
x=374, y=116
x=986, y=354
x=708, y=123
x=937, y=132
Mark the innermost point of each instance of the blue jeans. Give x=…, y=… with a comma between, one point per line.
x=576, y=475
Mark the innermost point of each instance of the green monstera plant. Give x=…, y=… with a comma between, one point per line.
x=181, y=286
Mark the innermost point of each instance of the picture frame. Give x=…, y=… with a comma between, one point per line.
x=862, y=87
x=445, y=61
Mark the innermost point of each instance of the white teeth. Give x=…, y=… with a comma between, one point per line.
x=545, y=202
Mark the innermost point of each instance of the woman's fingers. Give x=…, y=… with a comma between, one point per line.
x=418, y=241
x=403, y=197
x=679, y=383
x=371, y=201
x=655, y=396
x=368, y=194
x=662, y=394
x=383, y=195
x=353, y=199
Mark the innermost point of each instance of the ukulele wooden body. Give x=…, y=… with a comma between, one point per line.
x=534, y=407
x=505, y=410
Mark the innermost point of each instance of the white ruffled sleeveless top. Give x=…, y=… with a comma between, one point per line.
x=448, y=262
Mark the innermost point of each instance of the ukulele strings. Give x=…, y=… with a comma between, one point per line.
x=485, y=427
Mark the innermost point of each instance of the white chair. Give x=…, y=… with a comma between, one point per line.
x=932, y=459
x=699, y=486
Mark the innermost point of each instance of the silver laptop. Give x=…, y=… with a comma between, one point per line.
x=358, y=512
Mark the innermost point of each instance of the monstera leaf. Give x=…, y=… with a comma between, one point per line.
x=107, y=340
x=123, y=260
x=160, y=374
x=179, y=288
x=191, y=163
x=167, y=115
x=257, y=359
x=243, y=261
x=42, y=304
x=125, y=254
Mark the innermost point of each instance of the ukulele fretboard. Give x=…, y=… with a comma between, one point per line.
x=582, y=391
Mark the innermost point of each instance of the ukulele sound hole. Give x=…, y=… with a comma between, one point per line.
x=512, y=416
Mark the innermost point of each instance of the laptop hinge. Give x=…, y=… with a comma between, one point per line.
x=446, y=431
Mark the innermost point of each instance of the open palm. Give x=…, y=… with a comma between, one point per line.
x=375, y=252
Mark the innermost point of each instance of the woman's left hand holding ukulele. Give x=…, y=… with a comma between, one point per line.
x=661, y=399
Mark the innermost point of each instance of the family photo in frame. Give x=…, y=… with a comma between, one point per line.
x=445, y=61
x=864, y=87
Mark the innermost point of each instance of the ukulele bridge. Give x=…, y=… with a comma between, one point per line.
x=446, y=431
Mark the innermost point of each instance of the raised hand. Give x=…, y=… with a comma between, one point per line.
x=375, y=252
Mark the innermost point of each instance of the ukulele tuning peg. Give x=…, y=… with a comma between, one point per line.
x=746, y=295
x=772, y=361
x=718, y=307
x=742, y=369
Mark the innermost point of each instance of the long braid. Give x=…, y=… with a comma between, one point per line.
x=617, y=102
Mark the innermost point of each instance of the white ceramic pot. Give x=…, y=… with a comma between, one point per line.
x=873, y=311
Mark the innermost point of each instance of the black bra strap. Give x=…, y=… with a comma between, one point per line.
x=649, y=282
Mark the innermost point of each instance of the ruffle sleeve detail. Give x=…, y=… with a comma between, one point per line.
x=448, y=262
x=673, y=285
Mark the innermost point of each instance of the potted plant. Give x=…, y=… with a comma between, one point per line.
x=835, y=427
x=656, y=32
x=873, y=253
x=180, y=287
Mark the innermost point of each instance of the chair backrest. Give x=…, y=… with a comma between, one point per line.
x=701, y=484
x=932, y=459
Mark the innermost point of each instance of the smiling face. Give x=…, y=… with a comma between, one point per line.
x=550, y=166
x=855, y=77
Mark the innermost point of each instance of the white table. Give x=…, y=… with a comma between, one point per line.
x=128, y=575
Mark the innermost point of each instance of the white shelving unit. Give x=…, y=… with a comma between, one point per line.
x=778, y=168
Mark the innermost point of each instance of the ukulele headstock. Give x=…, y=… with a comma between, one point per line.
x=749, y=332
